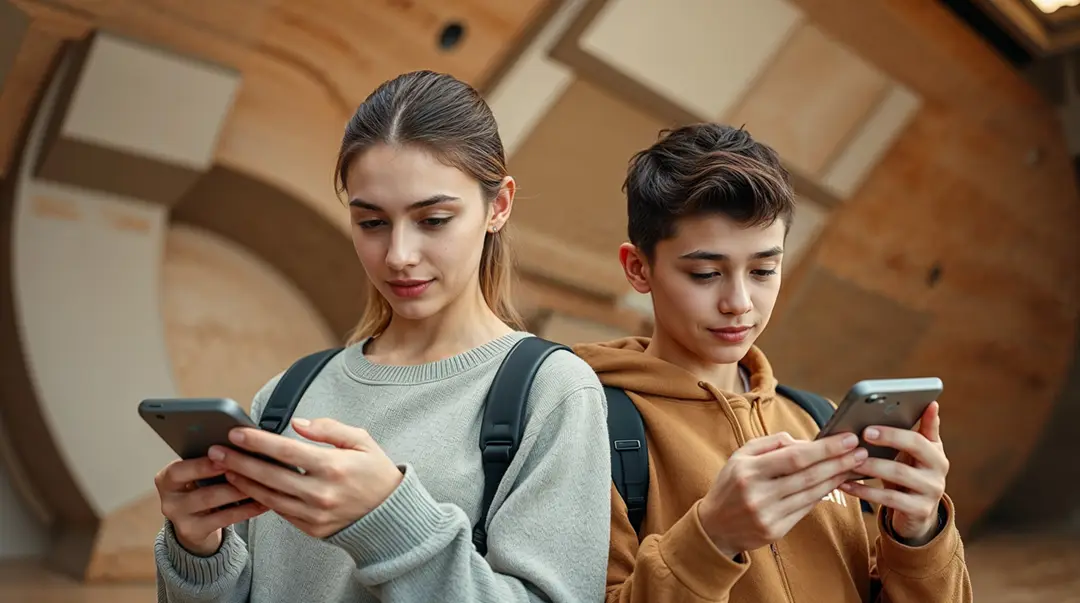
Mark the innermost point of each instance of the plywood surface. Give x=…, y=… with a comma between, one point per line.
x=959, y=200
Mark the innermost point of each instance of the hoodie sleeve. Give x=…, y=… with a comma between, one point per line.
x=933, y=573
x=681, y=565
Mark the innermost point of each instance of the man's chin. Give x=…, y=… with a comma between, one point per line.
x=726, y=353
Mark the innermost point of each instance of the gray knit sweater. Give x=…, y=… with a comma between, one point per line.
x=548, y=527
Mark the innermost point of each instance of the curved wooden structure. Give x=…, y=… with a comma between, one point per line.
x=925, y=242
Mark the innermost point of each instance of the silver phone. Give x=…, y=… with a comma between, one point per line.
x=895, y=403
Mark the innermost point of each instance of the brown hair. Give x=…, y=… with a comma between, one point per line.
x=704, y=168
x=448, y=118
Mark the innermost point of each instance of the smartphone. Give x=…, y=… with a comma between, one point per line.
x=190, y=426
x=889, y=402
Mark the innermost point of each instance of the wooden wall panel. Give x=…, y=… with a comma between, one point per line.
x=951, y=200
x=573, y=165
x=811, y=100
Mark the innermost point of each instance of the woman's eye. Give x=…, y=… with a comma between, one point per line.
x=435, y=222
x=703, y=276
x=765, y=273
x=369, y=224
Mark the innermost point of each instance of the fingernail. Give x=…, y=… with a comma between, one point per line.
x=216, y=454
x=850, y=441
x=872, y=433
x=301, y=422
x=846, y=487
x=237, y=436
x=861, y=454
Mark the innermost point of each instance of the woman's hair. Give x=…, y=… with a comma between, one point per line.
x=449, y=119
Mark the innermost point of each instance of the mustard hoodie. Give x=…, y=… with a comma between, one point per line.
x=692, y=428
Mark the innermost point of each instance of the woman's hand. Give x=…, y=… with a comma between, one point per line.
x=914, y=482
x=198, y=514
x=339, y=485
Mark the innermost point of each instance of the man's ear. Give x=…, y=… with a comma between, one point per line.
x=635, y=266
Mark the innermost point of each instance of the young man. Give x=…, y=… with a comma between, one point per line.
x=743, y=504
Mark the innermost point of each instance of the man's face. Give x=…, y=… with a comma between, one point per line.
x=713, y=285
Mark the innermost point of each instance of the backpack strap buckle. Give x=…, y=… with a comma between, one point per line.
x=497, y=452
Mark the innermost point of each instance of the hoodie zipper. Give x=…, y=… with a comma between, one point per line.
x=755, y=411
x=783, y=572
x=741, y=438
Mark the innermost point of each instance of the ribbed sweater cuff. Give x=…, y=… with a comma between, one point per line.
x=693, y=558
x=921, y=561
x=404, y=523
x=200, y=573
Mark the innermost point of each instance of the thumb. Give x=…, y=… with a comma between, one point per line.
x=335, y=433
x=930, y=423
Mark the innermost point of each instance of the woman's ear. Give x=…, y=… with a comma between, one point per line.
x=502, y=205
x=636, y=267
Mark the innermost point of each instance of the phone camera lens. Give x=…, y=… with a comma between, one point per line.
x=874, y=398
x=161, y=417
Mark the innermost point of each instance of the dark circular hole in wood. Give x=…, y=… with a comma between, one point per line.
x=451, y=36
x=934, y=276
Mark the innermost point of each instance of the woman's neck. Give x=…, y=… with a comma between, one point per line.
x=461, y=326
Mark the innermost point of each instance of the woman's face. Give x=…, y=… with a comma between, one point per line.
x=418, y=226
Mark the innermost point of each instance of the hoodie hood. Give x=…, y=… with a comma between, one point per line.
x=622, y=363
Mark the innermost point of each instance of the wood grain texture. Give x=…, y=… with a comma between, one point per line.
x=810, y=100
x=571, y=170
x=306, y=64
x=1003, y=315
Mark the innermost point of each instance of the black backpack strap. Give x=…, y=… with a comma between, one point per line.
x=817, y=407
x=290, y=388
x=821, y=410
x=504, y=419
x=629, y=454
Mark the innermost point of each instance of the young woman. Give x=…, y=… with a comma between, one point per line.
x=388, y=434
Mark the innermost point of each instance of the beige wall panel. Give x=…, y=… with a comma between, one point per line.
x=810, y=100
x=231, y=323
x=699, y=54
x=534, y=83
x=149, y=102
x=875, y=136
x=231, y=320
x=572, y=168
x=810, y=218
x=569, y=330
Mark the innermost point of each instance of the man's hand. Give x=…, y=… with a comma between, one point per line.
x=914, y=482
x=770, y=484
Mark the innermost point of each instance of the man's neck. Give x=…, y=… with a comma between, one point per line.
x=464, y=324
x=725, y=377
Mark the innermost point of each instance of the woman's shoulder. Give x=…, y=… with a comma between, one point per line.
x=564, y=375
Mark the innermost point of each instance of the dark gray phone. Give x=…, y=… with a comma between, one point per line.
x=889, y=402
x=190, y=426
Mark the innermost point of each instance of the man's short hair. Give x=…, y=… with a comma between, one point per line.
x=705, y=168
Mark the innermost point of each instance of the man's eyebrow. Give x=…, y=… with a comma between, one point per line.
x=714, y=256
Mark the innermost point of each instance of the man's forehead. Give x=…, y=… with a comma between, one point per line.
x=720, y=235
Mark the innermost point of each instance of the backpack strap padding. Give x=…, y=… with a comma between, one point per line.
x=817, y=407
x=290, y=389
x=629, y=454
x=504, y=419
